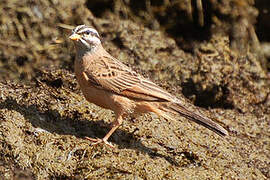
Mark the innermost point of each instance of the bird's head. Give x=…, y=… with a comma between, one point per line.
x=85, y=37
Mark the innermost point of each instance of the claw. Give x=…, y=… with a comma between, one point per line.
x=92, y=139
x=98, y=141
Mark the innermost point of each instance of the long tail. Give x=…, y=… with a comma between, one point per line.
x=195, y=116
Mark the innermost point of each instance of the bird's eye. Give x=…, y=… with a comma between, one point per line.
x=88, y=32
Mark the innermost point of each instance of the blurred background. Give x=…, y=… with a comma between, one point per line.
x=34, y=33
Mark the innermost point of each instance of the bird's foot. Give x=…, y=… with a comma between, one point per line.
x=98, y=141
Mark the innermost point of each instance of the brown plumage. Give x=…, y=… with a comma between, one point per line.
x=108, y=83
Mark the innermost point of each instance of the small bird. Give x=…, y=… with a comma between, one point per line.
x=108, y=83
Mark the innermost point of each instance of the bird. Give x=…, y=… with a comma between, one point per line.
x=110, y=84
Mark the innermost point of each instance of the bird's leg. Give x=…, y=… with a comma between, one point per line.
x=118, y=121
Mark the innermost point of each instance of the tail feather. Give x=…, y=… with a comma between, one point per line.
x=193, y=116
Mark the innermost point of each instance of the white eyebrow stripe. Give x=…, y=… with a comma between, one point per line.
x=78, y=27
x=87, y=29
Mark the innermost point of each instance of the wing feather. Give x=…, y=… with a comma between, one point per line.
x=112, y=75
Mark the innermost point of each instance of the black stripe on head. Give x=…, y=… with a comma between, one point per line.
x=88, y=31
x=78, y=28
x=83, y=29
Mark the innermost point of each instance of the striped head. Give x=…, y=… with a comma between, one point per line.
x=85, y=37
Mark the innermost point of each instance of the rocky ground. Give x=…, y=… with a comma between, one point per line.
x=212, y=53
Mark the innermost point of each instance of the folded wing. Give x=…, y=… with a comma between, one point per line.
x=112, y=75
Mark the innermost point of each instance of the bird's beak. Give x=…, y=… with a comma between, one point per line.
x=75, y=37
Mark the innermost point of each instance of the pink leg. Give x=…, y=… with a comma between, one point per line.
x=118, y=121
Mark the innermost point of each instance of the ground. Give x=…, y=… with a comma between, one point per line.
x=213, y=55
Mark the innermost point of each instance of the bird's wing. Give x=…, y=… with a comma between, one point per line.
x=110, y=74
